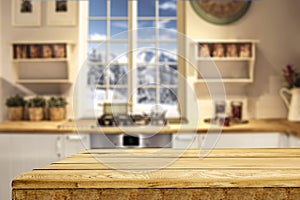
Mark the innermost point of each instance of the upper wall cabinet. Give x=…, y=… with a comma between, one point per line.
x=42, y=62
x=228, y=61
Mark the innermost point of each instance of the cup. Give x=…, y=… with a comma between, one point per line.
x=236, y=111
x=220, y=108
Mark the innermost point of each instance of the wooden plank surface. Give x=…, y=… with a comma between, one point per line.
x=260, y=168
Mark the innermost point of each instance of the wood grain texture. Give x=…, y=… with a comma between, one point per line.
x=254, y=125
x=161, y=194
x=134, y=174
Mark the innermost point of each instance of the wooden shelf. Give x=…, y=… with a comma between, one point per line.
x=225, y=80
x=225, y=59
x=243, y=67
x=52, y=81
x=32, y=70
x=41, y=60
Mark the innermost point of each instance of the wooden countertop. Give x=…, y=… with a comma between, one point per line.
x=88, y=126
x=166, y=174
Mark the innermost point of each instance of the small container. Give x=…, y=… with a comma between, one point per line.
x=220, y=108
x=236, y=111
x=223, y=120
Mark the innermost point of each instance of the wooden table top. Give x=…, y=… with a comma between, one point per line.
x=168, y=168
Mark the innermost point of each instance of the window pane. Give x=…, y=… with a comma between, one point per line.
x=168, y=96
x=97, y=8
x=146, y=75
x=118, y=52
x=146, y=8
x=119, y=8
x=97, y=52
x=146, y=53
x=146, y=96
x=169, y=24
x=118, y=75
x=167, y=8
x=119, y=30
x=97, y=30
x=167, y=34
x=167, y=52
x=99, y=96
x=146, y=30
x=118, y=94
x=96, y=75
x=168, y=74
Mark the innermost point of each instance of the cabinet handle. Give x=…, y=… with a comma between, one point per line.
x=75, y=137
x=59, y=147
x=185, y=137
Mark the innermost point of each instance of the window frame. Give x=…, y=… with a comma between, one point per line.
x=132, y=20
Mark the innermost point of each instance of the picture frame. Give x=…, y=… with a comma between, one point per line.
x=62, y=13
x=26, y=13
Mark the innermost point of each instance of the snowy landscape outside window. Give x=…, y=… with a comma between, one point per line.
x=148, y=29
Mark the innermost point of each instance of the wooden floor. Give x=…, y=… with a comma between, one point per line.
x=166, y=174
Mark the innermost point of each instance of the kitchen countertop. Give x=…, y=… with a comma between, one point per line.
x=88, y=126
x=166, y=174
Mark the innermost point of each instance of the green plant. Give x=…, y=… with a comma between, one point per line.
x=57, y=102
x=36, y=102
x=15, y=101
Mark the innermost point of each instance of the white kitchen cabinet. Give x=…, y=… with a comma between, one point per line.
x=234, y=140
x=248, y=140
x=24, y=152
x=73, y=143
x=185, y=140
x=294, y=142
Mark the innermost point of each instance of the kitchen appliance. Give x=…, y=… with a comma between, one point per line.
x=131, y=141
x=292, y=103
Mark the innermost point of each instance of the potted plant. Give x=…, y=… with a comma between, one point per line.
x=36, y=107
x=57, y=108
x=15, y=108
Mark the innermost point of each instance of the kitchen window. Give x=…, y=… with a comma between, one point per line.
x=132, y=52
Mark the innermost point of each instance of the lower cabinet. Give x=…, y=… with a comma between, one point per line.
x=294, y=142
x=24, y=152
x=185, y=140
x=233, y=140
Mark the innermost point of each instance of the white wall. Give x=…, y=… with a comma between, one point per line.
x=1, y=64
x=276, y=24
x=42, y=33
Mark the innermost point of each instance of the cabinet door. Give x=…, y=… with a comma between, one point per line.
x=73, y=143
x=294, y=142
x=24, y=152
x=250, y=140
x=5, y=166
x=185, y=140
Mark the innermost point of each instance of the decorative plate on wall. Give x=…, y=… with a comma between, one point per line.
x=220, y=11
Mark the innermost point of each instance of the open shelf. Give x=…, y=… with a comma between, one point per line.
x=41, y=62
x=224, y=61
x=227, y=80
